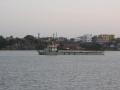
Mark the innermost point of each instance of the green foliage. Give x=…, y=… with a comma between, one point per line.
x=2, y=42
x=91, y=46
x=29, y=38
x=41, y=45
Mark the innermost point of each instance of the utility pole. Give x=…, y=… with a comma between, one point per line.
x=38, y=35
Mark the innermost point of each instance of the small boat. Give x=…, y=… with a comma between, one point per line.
x=52, y=50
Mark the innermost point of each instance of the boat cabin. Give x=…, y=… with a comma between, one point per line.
x=52, y=48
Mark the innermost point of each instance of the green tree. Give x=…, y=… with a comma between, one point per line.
x=91, y=46
x=2, y=42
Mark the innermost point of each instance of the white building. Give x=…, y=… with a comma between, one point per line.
x=77, y=39
x=84, y=38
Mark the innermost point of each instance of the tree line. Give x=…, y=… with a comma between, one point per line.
x=29, y=42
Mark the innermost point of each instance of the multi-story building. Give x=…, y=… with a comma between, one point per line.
x=85, y=38
x=61, y=39
x=105, y=38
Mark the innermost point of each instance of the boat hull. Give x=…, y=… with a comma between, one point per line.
x=66, y=52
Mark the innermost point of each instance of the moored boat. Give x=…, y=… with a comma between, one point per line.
x=52, y=50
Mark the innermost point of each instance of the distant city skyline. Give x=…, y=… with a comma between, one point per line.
x=69, y=18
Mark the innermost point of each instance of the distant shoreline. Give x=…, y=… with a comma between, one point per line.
x=73, y=50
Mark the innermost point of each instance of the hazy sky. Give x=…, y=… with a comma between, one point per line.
x=67, y=17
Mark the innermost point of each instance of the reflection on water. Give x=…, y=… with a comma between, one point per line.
x=25, y=70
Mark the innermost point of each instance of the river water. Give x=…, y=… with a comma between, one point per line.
x=26, y=70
